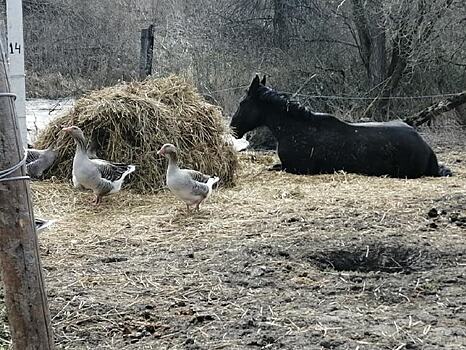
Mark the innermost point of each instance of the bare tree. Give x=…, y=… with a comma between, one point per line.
x=411, y=25
x=370, y=48
x=369, y=21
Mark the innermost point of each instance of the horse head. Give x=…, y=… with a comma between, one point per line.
x=249, y=114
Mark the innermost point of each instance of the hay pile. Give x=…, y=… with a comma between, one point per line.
x=131, y=121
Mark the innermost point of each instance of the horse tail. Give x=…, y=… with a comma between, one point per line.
x=444, y=171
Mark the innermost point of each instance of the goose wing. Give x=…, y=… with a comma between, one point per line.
x=110, y=171
x=196, y=175
x=32, y=155
x=35, y=168
x=200, y=189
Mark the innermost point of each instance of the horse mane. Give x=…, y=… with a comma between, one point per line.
x=283, y=102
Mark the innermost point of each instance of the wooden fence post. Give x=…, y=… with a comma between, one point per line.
x=25, y=297
x=147, y=49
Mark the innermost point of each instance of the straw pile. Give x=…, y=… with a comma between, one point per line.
x=131, y=121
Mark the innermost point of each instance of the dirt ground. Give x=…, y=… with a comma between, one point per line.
x=279, y=261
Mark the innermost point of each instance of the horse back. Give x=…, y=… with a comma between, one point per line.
x=375, y=148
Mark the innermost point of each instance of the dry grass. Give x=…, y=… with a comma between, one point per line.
x=131, y=121
x=54, y=85
x=140, y=273
x=260, y=197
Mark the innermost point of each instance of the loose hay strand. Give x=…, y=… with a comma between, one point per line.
x=130, y=121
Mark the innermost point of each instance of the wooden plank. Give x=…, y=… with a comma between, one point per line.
x=25, y=297
x=146, y=53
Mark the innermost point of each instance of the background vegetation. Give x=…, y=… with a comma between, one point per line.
x=313, y=47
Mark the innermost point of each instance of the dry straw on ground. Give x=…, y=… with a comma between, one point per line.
x=142, y=272
x=131, y=121
x=254, y=266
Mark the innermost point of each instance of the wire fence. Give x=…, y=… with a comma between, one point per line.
x=357, y=98
x=353, y=108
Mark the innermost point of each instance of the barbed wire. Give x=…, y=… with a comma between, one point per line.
x=230, y=89
x=376, y=98
x=336, y=97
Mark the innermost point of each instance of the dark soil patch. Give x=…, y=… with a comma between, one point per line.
x=378, y=257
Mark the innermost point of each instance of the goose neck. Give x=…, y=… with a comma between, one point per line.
x=172, y=160
x=80, y=143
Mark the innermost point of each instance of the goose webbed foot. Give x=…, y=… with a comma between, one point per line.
x=97, y=200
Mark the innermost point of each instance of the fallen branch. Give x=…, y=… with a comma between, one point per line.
x=436, y=109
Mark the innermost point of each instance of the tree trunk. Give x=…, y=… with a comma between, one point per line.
x=395, y=72
x=372, y=46
x=281, y=24
x=436, y=109
x=377, y=59
x=414, y=25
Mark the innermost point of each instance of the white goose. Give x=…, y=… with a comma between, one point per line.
x=98, y=175
x=191, y=186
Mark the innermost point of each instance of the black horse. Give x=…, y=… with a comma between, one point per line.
x=313, y=143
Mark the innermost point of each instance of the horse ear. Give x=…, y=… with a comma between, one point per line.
x=263, y=80
x=254, y=85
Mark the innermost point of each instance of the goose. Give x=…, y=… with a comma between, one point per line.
x=39, y=160
x=237, y=145
x=42, y=224
x=100, y=176
x=191, y=186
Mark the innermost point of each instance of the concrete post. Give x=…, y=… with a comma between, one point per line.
x=15, y=52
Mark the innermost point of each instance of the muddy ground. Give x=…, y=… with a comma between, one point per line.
x=280, y=261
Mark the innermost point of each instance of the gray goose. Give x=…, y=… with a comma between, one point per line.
x=42, y=224
x=39, y=160
x=191, y=186
x=100, y=176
